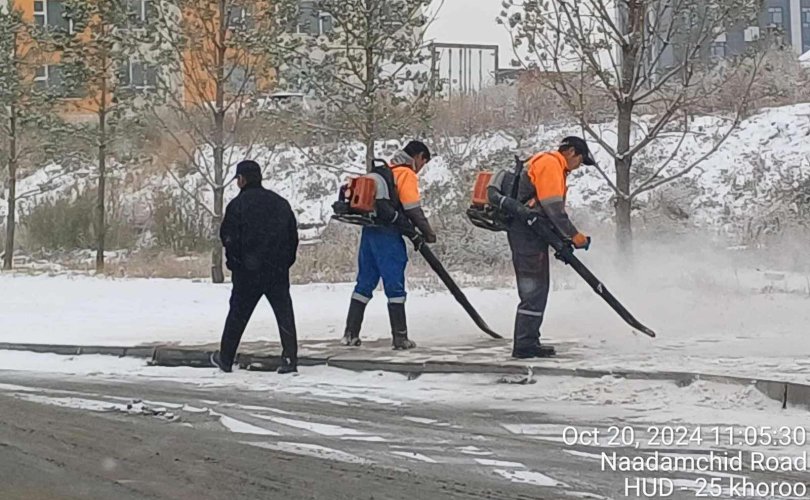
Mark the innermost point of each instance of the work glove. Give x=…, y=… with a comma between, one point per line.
x=581, y=242
x=429, y=237
x=417, y=241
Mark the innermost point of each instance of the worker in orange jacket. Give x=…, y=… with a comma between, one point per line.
x=382, y=253
x=543, y=187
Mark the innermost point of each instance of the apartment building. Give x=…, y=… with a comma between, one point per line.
x=788, y=19
x=785, y=20
x=132, y=75
x=191, y=79
x=792, y=18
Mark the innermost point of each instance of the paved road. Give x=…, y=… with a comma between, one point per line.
x=72, y=438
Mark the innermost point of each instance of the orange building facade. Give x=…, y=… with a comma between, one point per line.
x=192, y=77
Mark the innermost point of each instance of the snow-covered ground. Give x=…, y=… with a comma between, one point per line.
x=766, y=154
x=711, y=317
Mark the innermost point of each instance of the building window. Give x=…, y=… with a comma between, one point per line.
x=41, y=77
x=776, y=16
x=806, y=17
x=240, y=17
x=40, y=14
x=308, y=22
x=51, y=79
x=137, y=13
x=311, y=21
x=327, y=23
x=138, y=77
x=392, y=19
x=718, y=50
x=52, y=13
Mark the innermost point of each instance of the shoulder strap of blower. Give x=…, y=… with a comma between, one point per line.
x=389, y=210
x=507, y=183
x=516, y=180
x=382, y=169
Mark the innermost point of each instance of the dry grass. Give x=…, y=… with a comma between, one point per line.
x=160, y=264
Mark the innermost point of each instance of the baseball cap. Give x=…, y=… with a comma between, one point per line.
x=581, y=147
x=247, y=167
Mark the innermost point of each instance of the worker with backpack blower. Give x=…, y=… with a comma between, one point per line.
x=542, y=186
x=382, y=252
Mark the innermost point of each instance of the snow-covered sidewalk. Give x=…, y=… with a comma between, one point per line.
x=718, y=330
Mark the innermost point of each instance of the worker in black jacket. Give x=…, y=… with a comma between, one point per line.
x=260, y=236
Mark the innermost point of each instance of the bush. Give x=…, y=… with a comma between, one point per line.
x=61, y=224
x=68, y=224
x=178, y=225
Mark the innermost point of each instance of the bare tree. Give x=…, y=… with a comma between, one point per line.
x=99, y=75
x=365, y=60
x=220, y=58
x=30, y=129
x=651, y=57
x=11, y=24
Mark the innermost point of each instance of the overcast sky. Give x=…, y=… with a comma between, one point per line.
x=471, y=21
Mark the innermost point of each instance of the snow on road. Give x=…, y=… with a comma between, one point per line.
x=633, y=401
x=543, y=413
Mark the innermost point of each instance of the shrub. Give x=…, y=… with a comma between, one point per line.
x=178, y=225
x=68, y=224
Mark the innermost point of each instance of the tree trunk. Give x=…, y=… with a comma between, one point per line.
x=624, y=231
x=370, y=129
x=369, y=152
x=8, y=258
x=630, y=16
x=101, y=223
x=217, y=273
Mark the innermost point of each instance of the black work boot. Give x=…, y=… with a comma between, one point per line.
x=545, y=350
x=538, y=351
x=399, y=327
x=354, y=321
x=288, y=365
x=527, y=338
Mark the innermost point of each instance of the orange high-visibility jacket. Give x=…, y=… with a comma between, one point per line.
x=407, y=186
x=547, y=173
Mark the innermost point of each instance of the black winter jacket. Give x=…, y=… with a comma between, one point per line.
x=259, y=232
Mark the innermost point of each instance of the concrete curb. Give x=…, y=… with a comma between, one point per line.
x=72, y=350
x=790, y=394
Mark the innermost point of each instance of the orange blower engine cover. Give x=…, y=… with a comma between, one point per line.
x=362, y=193
x=479, y=195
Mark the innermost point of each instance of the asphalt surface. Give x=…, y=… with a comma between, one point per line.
x=71, y=438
